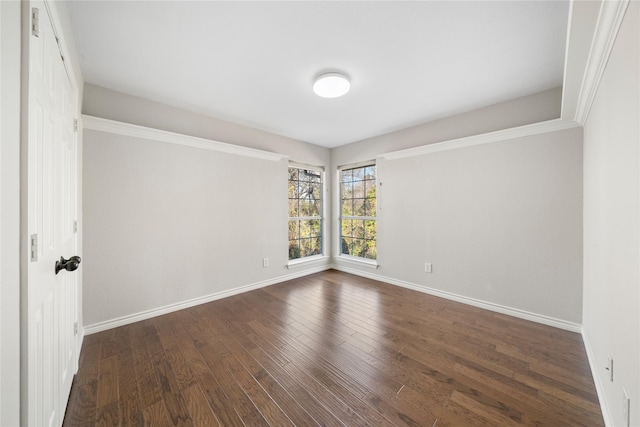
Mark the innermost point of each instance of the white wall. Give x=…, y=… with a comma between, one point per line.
x=500, y=222
x=611, y=313
x=165, y=224
x=10, y=213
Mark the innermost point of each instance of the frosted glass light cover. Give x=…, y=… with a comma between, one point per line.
x=331, y=85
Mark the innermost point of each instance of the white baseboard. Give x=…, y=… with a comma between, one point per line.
x=522, y=314
x=148, y=314
x=597, y=380
x=534, y=317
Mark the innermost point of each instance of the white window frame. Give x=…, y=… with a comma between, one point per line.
x=323, y=209
x=367, y=262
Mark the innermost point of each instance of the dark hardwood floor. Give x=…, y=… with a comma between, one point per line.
x=333, y=349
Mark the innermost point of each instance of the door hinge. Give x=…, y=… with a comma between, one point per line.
x=75, y=226
x=59, y=49
x=75, y=125
x=75, y=328
x=35, y=21
x=34, y=247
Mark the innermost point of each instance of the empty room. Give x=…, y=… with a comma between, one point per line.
x=320, y=213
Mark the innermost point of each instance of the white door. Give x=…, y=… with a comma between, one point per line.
x=52, y=200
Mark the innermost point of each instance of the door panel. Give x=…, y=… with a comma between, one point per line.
x=65, y=196
x=51, y=298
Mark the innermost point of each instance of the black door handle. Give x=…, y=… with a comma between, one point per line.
x=70, y=264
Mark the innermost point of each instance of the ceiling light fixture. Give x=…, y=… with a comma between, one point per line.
x=331, y=85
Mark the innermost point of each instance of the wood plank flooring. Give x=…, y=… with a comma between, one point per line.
x=333, y=349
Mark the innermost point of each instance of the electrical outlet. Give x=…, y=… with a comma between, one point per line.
x=428, y=268
x=610, y=367
x=626, y=403
x=265, y=262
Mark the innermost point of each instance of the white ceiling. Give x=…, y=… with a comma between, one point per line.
x=254, y=63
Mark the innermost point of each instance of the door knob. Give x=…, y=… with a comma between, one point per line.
x=70, y=264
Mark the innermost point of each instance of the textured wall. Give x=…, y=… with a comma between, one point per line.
x=611, y=318
x=500, y=222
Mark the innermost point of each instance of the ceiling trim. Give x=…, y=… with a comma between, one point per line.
x=607, y=27
x=136, y=131
x=485, y=138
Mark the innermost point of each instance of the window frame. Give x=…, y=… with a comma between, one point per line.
x=322, y=217
x=371, y=262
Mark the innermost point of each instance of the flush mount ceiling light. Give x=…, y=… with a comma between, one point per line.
x=331, y=85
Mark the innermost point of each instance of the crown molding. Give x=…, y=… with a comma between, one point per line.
x=485, y=138
x=607, y=27
x=136, y=131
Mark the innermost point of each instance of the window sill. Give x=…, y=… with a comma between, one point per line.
x=363, y=262
x=301, y=262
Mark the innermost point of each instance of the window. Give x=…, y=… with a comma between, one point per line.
x=358, y=211
x=305, y=212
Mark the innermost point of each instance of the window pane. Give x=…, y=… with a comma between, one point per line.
x=305, y=229
x=356, y=247
x=304, y=189
x=346, y=190
x=293, y=208
x=370, y=230
x=312, y=176
x=347, y=175
x=314, y=208
x=293, y=189
x=371, y=207
x=347, y=229
x=304, y=208
x=371, y=252
x=315, y=191
x=294, y=249
x=370, y=172
x=347, y=208
x=345, y=244
x=293, y=174
x=358, y=207
x=315, y=246
x=358, y=190
x=366, y=209
x=369, y=189
x=358, y=229
x=305, y=247
x=314, y=226
x=294, y=230
x=358, y=174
